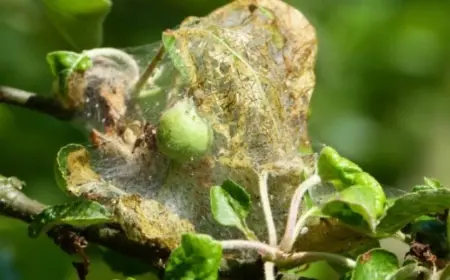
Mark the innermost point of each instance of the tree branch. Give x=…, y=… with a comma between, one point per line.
x=283, y=259
x=32, y=101
x=15, y=204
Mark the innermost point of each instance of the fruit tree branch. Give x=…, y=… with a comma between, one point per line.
x=32, y=101
x=15, y=204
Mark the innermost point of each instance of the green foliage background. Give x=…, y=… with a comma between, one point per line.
x=382, y=100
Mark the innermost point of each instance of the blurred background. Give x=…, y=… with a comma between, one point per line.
x=382, y=99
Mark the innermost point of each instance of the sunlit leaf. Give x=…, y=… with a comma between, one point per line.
x=336, y=169
x=230, y=205
x=355, y=206
x=66, y=61
x=411, y=206
x=198, y=257
x=432, y=182
x=342, y=174
x=376, y=264
x=63, y=65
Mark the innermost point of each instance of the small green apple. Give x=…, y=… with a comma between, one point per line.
x=182, y=134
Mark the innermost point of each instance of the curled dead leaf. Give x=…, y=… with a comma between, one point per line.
x=148, y=221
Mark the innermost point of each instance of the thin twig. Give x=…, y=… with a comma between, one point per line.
x=286, y=260
x=269, y=271
x=265, y=203
x=32, y=101
x=148, y=72
x=292, y=260
x=290, y=232
x=301, y=224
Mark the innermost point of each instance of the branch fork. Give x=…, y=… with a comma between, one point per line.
x=280, y=255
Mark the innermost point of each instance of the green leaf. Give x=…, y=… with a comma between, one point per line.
x=230, y=205
x=355, y=206
x=409, y=271
x=376, y=264
x=63, y=64
x=430, y=183
x=78, y=213
x=198, y=257
x=434, y=183
x=343, y=271
x=379, y=197
x=343, y=174
x=422, y=188
x=336, y=169
x=80, y=21
x=62, y=170
x=411, y=206
x=66, y=61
